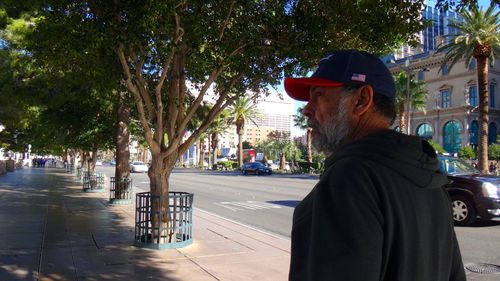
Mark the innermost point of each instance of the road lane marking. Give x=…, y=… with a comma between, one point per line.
x=225, y=205
x=247, y=205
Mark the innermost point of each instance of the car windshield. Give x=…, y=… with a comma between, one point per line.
x=454, y=166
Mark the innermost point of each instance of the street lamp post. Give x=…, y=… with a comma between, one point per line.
x=408, y=95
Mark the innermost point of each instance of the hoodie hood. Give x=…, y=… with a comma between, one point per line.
x=410, y=156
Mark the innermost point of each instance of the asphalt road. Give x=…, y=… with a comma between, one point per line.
x=264, y=202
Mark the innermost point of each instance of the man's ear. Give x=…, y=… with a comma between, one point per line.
x=364, y=100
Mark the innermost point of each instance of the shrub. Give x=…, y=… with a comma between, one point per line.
x=467, y=152
x=437, y=147
x=227, y=165
x=494, y=151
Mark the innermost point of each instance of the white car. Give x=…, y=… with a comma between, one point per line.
x=138, y=167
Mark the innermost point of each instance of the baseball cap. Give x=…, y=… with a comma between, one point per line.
x=341, y=68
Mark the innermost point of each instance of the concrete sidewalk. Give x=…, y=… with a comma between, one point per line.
x=51, y=230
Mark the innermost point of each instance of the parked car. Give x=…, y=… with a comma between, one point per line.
x=112, y=162
x=98, y=163
x=138, y=167
x=255, y=168
x=472, y=194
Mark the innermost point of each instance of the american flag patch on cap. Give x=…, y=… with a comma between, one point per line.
x=358, y=77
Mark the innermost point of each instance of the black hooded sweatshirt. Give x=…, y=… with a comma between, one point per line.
x=379, y=212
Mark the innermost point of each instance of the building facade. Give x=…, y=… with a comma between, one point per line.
x=451, y=115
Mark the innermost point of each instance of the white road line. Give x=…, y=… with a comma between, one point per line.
x=265, y=204
x=225, y=205
x=248, y=205
x=242, y=204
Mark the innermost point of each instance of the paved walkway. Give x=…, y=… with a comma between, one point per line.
x=51, y=230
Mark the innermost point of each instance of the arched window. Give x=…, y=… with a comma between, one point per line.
x=492, y=133
x=424, y=131
x=473, y=100
x=472, y=64
x=452, y=136
x=474, y=133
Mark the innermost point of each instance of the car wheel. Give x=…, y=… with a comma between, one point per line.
x=244, y=172
x=258, y=173
x=464, y=212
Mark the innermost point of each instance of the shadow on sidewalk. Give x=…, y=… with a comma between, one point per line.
x=52, y=230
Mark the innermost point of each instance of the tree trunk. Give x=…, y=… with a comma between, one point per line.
x=201, y=155
x=240, y=150
x=282, y=161
x=215, y=146
x=159, y=173
x=484, y=107
x=402, y=119
x=309, y=145
x=122, y=169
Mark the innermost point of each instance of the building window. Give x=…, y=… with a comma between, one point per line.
x=492, y=95
x=492, y=133
x=445, y=70
x=472, y=64
x=424, y=131
x=421, y=75
x=474, y=134
x=445, y=98
x=452, y=136
x=473, y=101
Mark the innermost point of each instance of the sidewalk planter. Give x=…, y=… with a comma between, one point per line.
x=175, y=229
x=3, y=168
x=93, y=182
x=10, y=165
x=120, y=192
x=79, y=174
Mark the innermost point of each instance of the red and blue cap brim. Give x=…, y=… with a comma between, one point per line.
x=298, y=88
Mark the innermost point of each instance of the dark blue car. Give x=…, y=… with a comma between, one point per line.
x=255, y=168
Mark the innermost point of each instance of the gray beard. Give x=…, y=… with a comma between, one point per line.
x=328, y=137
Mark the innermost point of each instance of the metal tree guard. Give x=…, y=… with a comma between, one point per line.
x=120, y=192
x=93, y=182
x=174, y=229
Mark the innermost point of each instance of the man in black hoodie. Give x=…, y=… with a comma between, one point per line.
x=379, y=211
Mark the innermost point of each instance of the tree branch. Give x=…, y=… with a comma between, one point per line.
x=138, y=100
x=226, y=21
x=192, y=110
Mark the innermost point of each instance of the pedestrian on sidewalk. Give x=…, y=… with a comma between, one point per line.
x=379, y=210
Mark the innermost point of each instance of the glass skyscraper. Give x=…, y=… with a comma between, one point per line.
x=431, y=36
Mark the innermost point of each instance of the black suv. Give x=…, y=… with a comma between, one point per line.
x=472, y=194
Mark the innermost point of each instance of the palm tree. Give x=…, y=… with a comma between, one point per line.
x=479, y=38
x=243, y=110
x=301, y=121
x=218, y=127
x=418, y=97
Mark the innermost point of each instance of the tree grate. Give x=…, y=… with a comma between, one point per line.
x=483, y=268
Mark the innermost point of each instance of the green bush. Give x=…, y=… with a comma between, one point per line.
x=234, y=165
x=494, y=151
x=306, y=166
x=227, y=165
x=467, y=152
x=437, y=147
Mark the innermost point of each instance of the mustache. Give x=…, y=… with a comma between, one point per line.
x=312, y=123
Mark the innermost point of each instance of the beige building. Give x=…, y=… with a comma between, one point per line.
x=451, y=115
